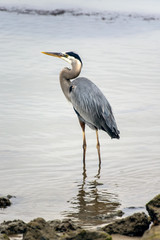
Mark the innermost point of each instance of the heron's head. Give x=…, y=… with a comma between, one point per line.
x=69, y=57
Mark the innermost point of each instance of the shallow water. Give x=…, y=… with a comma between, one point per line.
x=41, y=140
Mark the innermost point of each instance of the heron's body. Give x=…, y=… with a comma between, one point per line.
x=89, y=103
x=92, y=107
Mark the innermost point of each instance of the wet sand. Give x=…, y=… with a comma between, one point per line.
x=122, y=237
x=114, y=237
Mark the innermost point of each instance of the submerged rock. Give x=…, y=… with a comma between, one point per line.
x=88, y=235
x=152, y=234
x=39, y=229
x=4, y=202
x=10, y=196
x=153, y=208
x=134, y=225
x=13, y=227
x=112, y=215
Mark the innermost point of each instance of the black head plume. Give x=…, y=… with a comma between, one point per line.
x=75, y=55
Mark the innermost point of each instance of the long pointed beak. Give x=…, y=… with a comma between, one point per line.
x=54, y=54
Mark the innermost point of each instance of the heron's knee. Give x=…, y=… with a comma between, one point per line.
x=84, y=146
x=98, y=145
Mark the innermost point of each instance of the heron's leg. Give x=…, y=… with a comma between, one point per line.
x=84, y=141
x=98, y=147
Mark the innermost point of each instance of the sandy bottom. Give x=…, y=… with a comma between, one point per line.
x=114, y=237
x=121, y=237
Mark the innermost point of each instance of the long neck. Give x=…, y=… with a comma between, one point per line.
x=66, y=74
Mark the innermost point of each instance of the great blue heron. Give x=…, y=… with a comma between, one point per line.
x=89, y=103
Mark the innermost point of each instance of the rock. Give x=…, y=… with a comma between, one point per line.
x=13, y=227
x=152, y=234
x=88, y=235
x=4, y=237
x=153, y=208
x=39, y=229
x=64, y=225
x=134, y=225
x=4, y=202
x=10, y=196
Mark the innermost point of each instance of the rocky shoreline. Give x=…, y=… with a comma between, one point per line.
x=136, y=225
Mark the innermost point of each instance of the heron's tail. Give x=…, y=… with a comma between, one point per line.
x=110, y=127
x=113, y=133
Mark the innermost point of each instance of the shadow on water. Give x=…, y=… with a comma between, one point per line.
x=93, y=205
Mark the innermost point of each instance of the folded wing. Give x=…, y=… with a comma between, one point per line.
x=92, y=106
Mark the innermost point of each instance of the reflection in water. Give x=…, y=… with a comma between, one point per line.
x=93, y=204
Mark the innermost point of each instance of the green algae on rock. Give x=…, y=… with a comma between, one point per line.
x=4, y=237
x=86, y=235
x=39, y=229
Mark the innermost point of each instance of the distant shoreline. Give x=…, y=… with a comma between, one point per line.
x=106, y=15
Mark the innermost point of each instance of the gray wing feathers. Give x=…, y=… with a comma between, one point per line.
x=92, y=106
